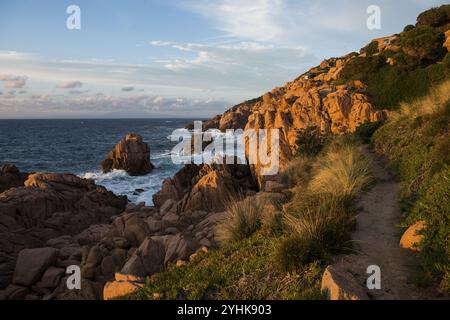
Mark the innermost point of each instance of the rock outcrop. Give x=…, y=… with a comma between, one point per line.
x=131, y=154
x=11, y=177
x=206, y=187
x=43, y=211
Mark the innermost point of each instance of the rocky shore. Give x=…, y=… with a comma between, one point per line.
x=51, y=221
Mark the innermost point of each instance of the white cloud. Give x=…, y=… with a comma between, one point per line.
x=70, y=84
x=256, y=19
x=13, y=82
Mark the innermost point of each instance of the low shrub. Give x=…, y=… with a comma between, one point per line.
x=435, y=17
x=424, y=42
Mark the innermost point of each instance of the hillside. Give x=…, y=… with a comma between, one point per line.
x=282, y=252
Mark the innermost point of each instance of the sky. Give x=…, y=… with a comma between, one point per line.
x=169, y=58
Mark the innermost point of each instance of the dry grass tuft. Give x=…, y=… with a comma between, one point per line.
x=341, y=172
x=243, y=218
x=297, y=171
x=430, y=104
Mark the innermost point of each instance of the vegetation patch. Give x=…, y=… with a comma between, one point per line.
x=417, y=139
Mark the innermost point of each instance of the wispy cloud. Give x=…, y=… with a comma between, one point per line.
x=139, y=105
x=70, y=84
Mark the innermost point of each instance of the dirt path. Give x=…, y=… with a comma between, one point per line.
x=377, y=239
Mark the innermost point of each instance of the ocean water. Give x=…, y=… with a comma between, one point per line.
x=79, y=146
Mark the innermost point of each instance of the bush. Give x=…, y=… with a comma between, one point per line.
x=310, y=142
x=360, y=68
x=424, y=42
x=341, y=172
x=435, y=17
x=394, y=84
x=409, y=27
x=366, y=130
x=371, y=48
x=243, y=218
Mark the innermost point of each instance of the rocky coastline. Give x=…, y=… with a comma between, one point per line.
x=65, y=220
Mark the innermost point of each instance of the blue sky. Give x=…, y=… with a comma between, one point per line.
x=171, y=58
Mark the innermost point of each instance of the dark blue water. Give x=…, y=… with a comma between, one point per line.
x=78, y=147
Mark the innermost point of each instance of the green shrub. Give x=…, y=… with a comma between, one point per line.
x=395, y=84
x=409, y=27
x=424, y=42
x=435, y=17
x=371, y=48
x=360, y=68
x=366, y=130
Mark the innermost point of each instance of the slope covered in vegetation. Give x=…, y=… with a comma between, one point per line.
x=417, y=140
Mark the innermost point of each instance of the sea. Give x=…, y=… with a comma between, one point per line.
x=79, y=146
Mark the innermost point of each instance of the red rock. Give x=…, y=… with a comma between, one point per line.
x=131, y=154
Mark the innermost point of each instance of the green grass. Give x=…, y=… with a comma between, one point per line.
x=240, y=270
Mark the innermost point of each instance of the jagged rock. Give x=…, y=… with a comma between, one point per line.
x=148, y=259
x=92, y=235
x=131, y=154
x=207, y=187
x=412, y=237
x=340, y=285
x=11, y=177
x=47, y=207
x=131, y=227
x=32, y=263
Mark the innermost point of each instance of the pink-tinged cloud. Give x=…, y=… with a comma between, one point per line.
x=13, y=82
x=70, y=84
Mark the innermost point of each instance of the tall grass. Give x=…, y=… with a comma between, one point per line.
x=430, y=104
x=243, y=218
x=319, y=217
x=297, y=171
x=342, y=171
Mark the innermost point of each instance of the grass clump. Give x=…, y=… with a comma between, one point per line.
x=341, y=172
x=242, y=219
